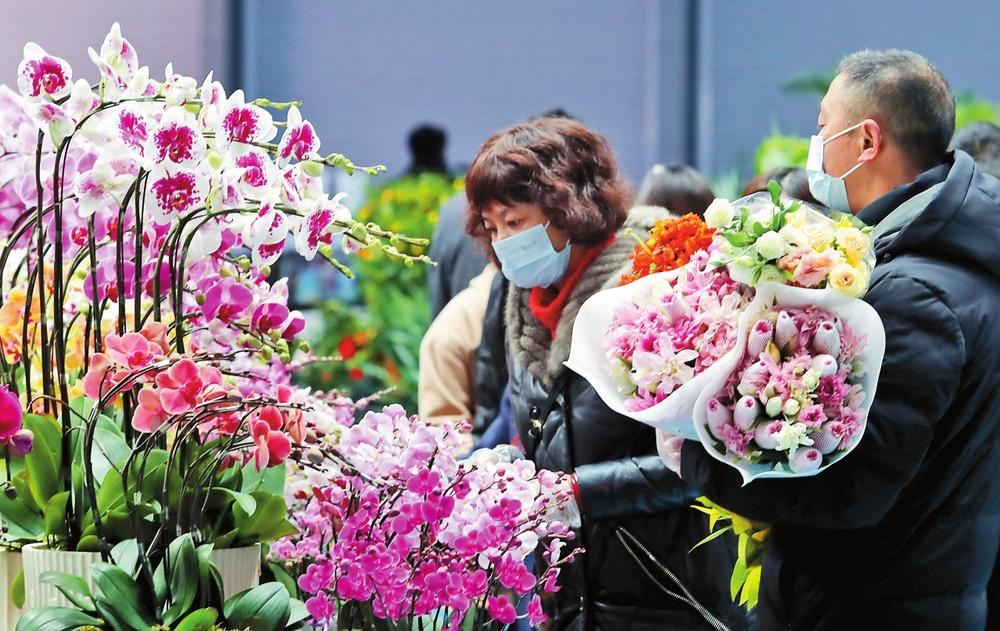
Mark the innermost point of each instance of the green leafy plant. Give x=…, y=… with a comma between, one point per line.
x=744, y=584
x=378, y=341
x=182, y=593
x=779, y=150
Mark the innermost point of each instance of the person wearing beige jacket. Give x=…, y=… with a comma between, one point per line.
x=446, y=387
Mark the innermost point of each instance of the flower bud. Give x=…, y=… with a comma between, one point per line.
x=275, y=334
x=764, y=436
x=746, y=412
x=199, y=298
x=718, y=415
x=791, y=407
x=810, y=380
x=244, y=263
x=265, y=270
x=825, y=365
x=755, y=377
x=284, y=358
x=311, y=168
x=773, y=407
x=784, y=329
x=761, y=333
x=829, y=437
x=225, y=272
x=827, y=339
x=304, y=346
x=806, y=460
x=266, y=353
x=21, y=442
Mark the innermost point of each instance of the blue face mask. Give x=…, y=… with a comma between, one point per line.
x=828, y=190
x=528, y=259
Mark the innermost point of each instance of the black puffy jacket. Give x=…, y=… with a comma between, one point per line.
x=903, y=532
x=622, y=482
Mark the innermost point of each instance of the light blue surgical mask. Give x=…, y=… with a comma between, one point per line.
x=828, y=190
x=528, y=259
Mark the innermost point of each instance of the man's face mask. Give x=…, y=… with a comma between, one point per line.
x=528, y=259
x=828, y=190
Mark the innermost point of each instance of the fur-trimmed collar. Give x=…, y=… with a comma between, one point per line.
x=529, y=341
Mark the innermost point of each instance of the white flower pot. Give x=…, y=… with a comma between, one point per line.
x=10, y=566
x=39, y=559
x=238, y=567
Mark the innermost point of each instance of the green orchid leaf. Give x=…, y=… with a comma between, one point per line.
x=54, y=619
x=268, y=604
x=182, y=572
x=199, y=620
x=75, y=589
x=120, y=594
x=44, y=462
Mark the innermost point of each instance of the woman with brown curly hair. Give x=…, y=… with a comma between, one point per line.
x=546, y=199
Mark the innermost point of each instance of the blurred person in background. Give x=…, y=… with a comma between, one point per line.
x=546, y=195
x=794, y=183
x=678, y=188
x=981, y=140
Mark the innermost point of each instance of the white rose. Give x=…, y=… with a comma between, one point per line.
x=771, y=246
x=719, y=213
x=793, y=236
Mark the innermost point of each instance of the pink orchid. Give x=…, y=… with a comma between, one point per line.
x=117, y=62
x=100, y=378
x=41, y=75
x=227, y=300
x=82, y=101
x=246, y=123
x=269, y=315
x=213, y=100
x=501, y=609
x=149, y=414
x=175, y=191
x=257, y=172
x=299, y=140
x=182, y=386
x=176, y=88
x=132, y=129
x=318, y=225
x=535, y=614
x=52, y=120
x=177, y=140
x=11, y=414
x=265, y=233
x=272, y=446
x=131, y=351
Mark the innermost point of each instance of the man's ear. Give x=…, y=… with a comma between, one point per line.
x=871, y=140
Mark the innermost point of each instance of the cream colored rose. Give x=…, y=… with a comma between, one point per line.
x=793, y=236
x=848, y=280
x=820, y=234
x=771, y=246
x=719, y=213
x=852, y=242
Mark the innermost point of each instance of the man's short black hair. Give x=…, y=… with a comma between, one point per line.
x=907, y=96
x=981, y=140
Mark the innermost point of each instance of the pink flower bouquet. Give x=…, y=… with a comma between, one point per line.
x=792, y=398
x=659, y=336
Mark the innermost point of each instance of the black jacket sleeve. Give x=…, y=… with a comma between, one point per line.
x=924, y=355
x=640, y=485
x=491, y=358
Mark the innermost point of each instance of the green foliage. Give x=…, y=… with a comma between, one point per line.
x=128, y=598
x=379, y=342
x=744, y=584
x=779, y=150
x=970, y=108
x=814, y=82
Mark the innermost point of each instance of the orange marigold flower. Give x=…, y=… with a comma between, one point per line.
x=671, y=244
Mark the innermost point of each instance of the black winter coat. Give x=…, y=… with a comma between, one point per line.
x=903, y=533
x=622, y=482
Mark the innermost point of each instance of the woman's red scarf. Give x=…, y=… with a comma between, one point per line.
x=547, y=305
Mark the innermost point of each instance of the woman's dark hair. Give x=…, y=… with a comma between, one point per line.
x=678, y=188
x=794, y=183
x=557, y=164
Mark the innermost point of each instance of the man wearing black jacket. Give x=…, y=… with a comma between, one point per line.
x=903, y=533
